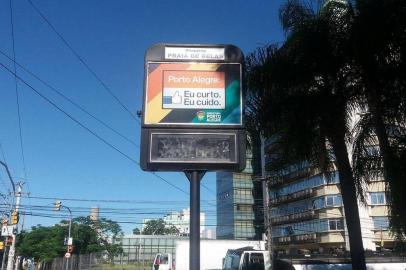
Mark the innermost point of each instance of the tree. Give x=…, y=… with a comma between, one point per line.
x=42, y=243
x=304, y=93
x=379, y=48
x=108, y=233
x=47, y=243
x=136, y=231
x=159, y=227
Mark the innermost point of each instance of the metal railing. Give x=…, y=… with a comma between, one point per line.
x=94, y=261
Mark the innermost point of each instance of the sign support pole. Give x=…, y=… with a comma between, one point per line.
x=194, y=231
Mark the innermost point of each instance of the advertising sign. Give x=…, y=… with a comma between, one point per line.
x=193, y=94
x=193, y=109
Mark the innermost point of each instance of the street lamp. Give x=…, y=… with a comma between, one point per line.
x=58, y=206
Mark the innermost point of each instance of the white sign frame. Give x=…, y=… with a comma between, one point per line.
x=195, y=53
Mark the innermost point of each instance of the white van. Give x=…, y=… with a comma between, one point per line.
x=247, y=259
x=163, y=261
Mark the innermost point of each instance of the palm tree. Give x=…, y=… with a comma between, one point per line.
x=379, y=48
x=303, y=92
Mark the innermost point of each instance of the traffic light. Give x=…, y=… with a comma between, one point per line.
x=58, y=205
x=14, y=218
x=1, y=245
x=70, y=249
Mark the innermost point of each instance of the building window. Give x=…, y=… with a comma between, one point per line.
x=377, y=198
x=380, y=223
x=335, y=224
x=333, y=200
x=244, y=208
x=224, y=195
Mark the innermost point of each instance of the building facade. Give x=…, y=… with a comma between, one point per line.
x=238, y=214
x=307, y=213
x=181, y=221
x=377, y=208
x=141, y=249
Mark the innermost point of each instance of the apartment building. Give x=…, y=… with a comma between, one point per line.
x=307, y=213
x=377, y=208
x=239, y=204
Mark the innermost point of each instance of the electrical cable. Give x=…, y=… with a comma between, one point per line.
x=81, y=108
x=87, y=66
x=16, y=89
x=86, y=128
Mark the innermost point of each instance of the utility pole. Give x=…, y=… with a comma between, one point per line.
x=11, y=251
x=14, y=193
x=5, y=223
x=4, y=256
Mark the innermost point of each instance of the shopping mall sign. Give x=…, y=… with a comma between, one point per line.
x=193, y=108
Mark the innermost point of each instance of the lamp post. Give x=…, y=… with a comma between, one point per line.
x=69, y=233
x=58, y=206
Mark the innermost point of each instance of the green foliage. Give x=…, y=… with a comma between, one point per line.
x=106, y=232
x=158, y=227
x=46, y=243
x=136, y=231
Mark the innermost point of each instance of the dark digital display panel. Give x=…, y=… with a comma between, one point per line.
x=193, y=147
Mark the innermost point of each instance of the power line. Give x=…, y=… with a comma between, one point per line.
x=2, y=153
x=81, y=108
x=58, y=92
x=16, y=88
x=87, y=66
x=86, y=128
x=65, y=216
x=104, y=201
x=83, y=61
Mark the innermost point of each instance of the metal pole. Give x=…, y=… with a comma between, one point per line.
x=11, y=251
x=9, y=175
x=14, y=192
x=69, y=232
x=194, y=236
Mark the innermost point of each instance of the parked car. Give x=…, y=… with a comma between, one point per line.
x=163, y=261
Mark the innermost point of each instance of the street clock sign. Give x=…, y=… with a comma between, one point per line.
x=193, y=108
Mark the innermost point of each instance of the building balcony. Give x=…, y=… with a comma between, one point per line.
x=297, y=239
x=293, y=218
x=303, y=194
x=243, y=184
x=243, y=216
x=247, y=200
x=276, y=181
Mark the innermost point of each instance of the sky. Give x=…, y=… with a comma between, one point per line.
x=62, y=159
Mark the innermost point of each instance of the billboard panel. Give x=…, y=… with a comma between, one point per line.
x=193, y=108
x=179, y=93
